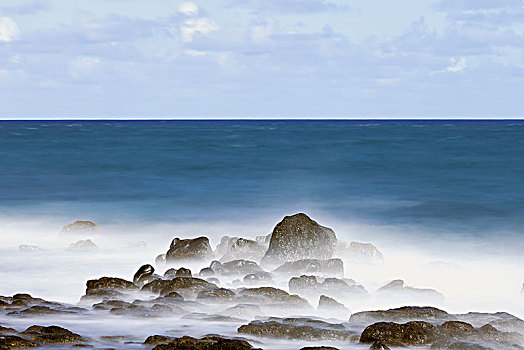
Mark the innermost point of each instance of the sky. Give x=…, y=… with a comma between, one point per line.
x=261, y=59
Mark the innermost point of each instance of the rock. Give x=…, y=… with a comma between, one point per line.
x=16, y=342
x=216, y=266
x=454, y=345
x=271, y=295
x=85, y=245
x=205, y=343
x=160, y=260
x=40, y=310
x=183, y=272
x=206, y=272
x=319, y=348
x=240, y=249
x=400, y=315
x=398, y=289
x=379, y=345
x=26, y=248
x=240, y=267
x=330, y=305
x=82, y=227
x=258, y=277
x=157, y=339
x=52, y=335
x=111, y=284
x=328, y=268
x=298, y=237
x=217, y=295
x=143, y=273
x=413, y=333
x=187, y=287
x=110, y=304
x=296, y=329
x=334, y=287
x=242, y=311
x=170, y=273
x=264, y=240
x=189, y=249
x=356, y=252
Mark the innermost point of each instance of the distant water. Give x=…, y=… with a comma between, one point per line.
x=451, y=175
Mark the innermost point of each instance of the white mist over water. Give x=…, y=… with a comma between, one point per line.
x=471, y=277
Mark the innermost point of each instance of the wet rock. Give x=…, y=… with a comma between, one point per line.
x=183, y=272
x=454, y=345
x=258, y=277
x=400, y=315
x=39, y=310
x=188, y=287
x=298, y=237
x=52, y=335
x=160, y=260
x=413, y=333
x=356, y=252
x=174, y=295
x=319, y=348
x=240, y=267
x=26, y=248
x=206, y=272
x=243, y=311
x=379, y=345
x=170, y=273
x=85, y=245
x=217, y=295
x=7, y=331
x=157, y=339
x=296, y=330
x=205, y=343
x=503, y=321
x=241, y=249
x=328, y=268
x=334, y=287
x=143, y=273
x=82, y=227
x=399, y=289
x=111, y=304
x=189, y=249
x=16, y=342
x=111, y=284
x=93, y=296
x=330, y=305
x=271, y=295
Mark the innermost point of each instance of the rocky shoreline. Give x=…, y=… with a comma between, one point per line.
x=287, y=288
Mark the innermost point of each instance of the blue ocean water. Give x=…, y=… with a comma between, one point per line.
x=459, y=175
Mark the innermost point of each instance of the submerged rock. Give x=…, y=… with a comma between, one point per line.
x=85, y=245
x=330, y=305
x=82, y=227
x=52, y=335
x=298, y=237
x=189, y=249
x=413, y=333
x=183, y=272
x=187, y=287
x=311, y=287
x=217, y=295
x=16, y=342
x=239, y=249
x=271, y=295
x=401, y=314
x=239, y=267
x=357, y=252
x=258, y=277
x=399, y=289
x=328, y=268
x=27, y=248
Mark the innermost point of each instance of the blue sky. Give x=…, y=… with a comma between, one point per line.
x=261, y=58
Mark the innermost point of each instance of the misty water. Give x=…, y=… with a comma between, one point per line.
x=442, y=201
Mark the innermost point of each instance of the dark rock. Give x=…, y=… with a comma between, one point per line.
x=457, y=329
x=319, y=348
x=110, y=304
x=219, y=294
x=15, y=342
x=240, y=267
x=82, y=227
x=206, y=343
x=85, y=245
x=110, y=283
x=7, y=331
x=328, y=268
x=52, y=335
x=173, y=295
x=398, y=289
x=298, y=237
x=292, y=330
x=356, y=252
x=39, y=310
x=400, y=315
x=379, y=345
x=270, y=295
x=143, y=273
x=183, y=272
x=454, y=345
x=157, y=339
x=189, y=249
x=206, y=272
x=170, y=273
x=188, y=287
x=413, y=333
x=26, y=248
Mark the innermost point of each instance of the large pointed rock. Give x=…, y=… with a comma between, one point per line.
x=298, y=237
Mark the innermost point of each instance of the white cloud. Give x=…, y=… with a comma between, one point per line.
x=83, y=65
x=188, y=8
x=198, y=25
x=195, y=53
x=457, y=65
x=8, y=29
